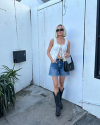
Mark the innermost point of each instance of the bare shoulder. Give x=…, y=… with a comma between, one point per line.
x=68, y=42
x=52, y=41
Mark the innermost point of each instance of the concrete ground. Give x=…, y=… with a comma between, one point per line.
x=88, y=119
x=36, y=106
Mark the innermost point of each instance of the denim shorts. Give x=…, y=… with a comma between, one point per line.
x=57, y=69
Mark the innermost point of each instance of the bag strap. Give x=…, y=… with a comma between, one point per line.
x=71, y=58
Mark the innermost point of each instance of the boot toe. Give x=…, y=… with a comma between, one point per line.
x=58, y=112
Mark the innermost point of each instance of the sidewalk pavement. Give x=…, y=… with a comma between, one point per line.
x=35, y=106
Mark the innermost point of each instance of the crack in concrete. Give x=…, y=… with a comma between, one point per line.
x=8, y=121
x=74, y=119
x=69, y=120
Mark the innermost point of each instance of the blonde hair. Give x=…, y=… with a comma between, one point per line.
x=65, y=34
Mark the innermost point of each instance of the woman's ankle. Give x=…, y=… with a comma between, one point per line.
x=56, y=91
x=61, y=88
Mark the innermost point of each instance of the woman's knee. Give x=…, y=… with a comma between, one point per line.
x=62, y=85
x=55, y=86
x=62, y=79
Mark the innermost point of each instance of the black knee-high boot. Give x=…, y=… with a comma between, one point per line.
x=57, y=101
x=61, y=92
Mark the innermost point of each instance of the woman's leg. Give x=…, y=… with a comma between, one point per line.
x=61, y=88
x=56, y=95
x=61, y=81
x=55, y=82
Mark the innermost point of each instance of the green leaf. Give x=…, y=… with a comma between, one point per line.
x=7, y=91
x=5, y=67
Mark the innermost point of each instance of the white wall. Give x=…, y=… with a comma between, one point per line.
x=91, y=85
x=73, y=21
x=15, y=34
x=32, y=3
x=81, y=87
x=46, y=21
x=42, y=22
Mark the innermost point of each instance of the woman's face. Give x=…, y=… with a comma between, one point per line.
x=60, y=31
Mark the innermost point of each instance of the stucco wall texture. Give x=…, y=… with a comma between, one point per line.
x=79, y=19
x=91, y=85
x=15, y=34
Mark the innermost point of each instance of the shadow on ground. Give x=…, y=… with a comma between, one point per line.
x=36, y=106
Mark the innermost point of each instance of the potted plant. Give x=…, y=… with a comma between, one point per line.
x=7, y=91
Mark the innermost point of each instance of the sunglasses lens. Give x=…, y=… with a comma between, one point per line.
x=61, y=29
x=57, y=30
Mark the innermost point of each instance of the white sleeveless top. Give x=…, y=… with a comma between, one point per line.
x=57, y=48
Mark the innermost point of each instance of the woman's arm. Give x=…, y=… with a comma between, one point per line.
x=68, y=50
x=49, y=49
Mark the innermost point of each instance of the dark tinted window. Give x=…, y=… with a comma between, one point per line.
x=97, y=48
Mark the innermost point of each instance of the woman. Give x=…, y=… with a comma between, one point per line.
x=60, y=49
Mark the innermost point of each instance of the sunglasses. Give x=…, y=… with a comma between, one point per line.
x=59, y=30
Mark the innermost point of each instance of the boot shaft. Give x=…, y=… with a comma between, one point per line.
x=61, y=92
x=57, y=98
x=57, y=101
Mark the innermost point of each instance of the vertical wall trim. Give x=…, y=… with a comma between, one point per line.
x=31, y=46
x=38, y=44
x=62, y=12
x=16, y=22
x=63, y=9
x=83, y=50
x=84, y=34
x=44, y=47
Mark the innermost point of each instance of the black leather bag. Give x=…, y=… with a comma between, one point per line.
x=66, y=66
x=70, y=66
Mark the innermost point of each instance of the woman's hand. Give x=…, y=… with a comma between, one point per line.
x=67, y=55
x=53, y=61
